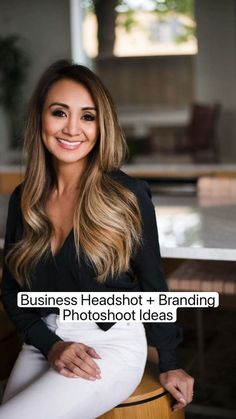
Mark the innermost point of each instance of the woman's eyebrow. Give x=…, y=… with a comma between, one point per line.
x=64, y=105
x=59, y=104
x=89, y=108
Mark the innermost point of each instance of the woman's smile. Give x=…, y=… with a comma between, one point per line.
x=69, y=145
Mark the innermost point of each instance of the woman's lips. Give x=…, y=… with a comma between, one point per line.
x=69, y=145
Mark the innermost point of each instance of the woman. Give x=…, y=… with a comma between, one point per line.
x=78, y=223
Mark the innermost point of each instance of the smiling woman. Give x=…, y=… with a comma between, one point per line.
x=69, y=132
x=78, y=223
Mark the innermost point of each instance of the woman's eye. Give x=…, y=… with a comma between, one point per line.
x=89, y=117
x=58, y=113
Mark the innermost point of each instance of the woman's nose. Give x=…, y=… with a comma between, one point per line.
x=72, y=127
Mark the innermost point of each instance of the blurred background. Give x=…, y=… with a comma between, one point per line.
x=157, y=57
x=170, y=66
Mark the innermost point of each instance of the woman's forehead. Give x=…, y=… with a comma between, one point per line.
x=69, y=92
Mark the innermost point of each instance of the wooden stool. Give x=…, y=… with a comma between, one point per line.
x=149, y=401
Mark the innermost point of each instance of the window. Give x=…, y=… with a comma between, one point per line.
x=143, y=28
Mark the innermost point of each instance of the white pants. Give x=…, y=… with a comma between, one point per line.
x=36, y=391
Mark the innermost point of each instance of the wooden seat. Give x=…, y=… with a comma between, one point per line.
x=149, y=401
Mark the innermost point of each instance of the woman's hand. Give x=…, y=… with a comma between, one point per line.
x=180, y=386
x=73, y=359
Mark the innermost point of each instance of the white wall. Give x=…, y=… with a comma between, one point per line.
x=215, y=69
x=45, y=28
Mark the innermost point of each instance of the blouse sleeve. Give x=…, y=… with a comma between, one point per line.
x=146, y=264
x=28, y=323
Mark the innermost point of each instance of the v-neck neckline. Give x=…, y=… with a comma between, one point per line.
x=59, y=250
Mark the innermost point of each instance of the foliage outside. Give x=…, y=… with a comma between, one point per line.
x=164, y=10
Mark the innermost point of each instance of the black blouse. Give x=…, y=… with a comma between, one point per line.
x=63, y=272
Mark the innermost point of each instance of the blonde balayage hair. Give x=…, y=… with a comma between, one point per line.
x=107, y=220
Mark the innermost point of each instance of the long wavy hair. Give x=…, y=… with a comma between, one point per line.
x=107, y=221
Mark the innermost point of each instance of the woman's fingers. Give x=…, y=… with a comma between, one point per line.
x=67, y=373
x=180, y=386
x=71, y=371
x=178, y=406
x=84, y=366
x=83, y=371
x=190, y=388
x=73, y=359
x=93, y=353
x=80, y=359
x=59, y=367
x=178, y=396
x=87, y=361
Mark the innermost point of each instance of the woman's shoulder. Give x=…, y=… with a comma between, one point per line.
x=136, y=185
x=15, y=196
x=14, y=206
x=14, y=217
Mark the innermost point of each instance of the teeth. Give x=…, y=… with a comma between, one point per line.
x=69, y=143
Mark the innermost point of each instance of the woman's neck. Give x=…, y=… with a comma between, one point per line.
x=68, y=177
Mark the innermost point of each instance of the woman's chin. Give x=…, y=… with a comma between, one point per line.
x=68, y=159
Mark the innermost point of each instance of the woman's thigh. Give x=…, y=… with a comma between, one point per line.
x=29, y=366
x=53, y=396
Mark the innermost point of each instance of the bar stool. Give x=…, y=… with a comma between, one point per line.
x=149, y=401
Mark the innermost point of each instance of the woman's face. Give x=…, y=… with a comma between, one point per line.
x=69, y=122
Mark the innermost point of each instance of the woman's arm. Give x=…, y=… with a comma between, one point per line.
x=29, y=324
x=147, y=265
x=165, y=336
x=70, y=359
